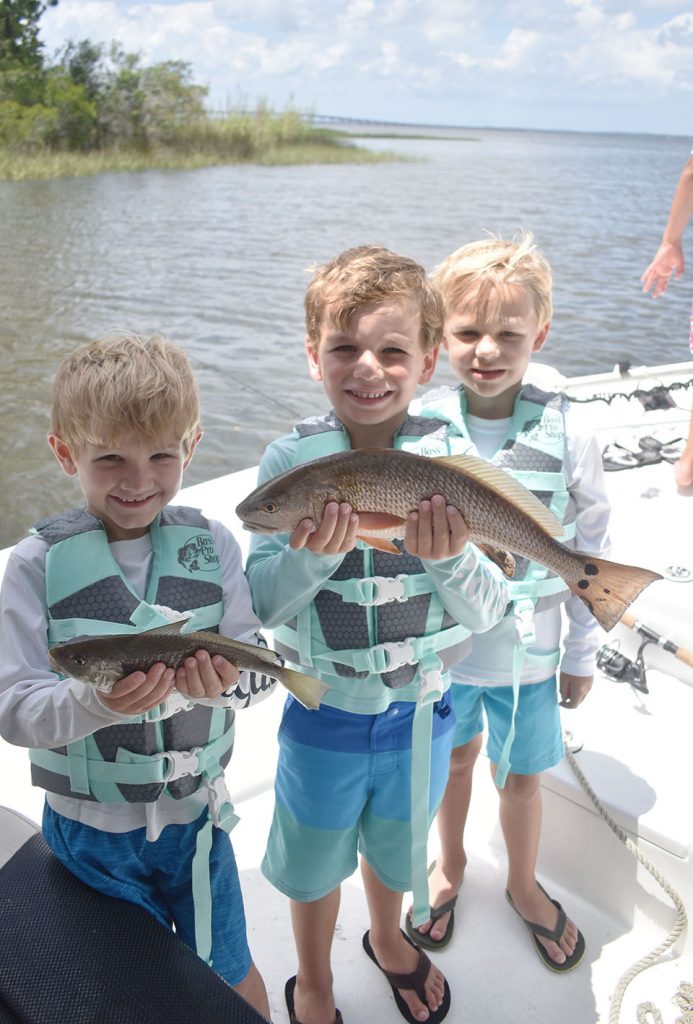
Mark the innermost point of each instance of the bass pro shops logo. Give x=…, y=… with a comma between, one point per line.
x=199, y=554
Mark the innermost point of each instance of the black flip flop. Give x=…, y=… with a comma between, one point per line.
x=436, y=913
x=673, y=450
x=615, y=457
x=289, y=997
x=415, y=980
x=554, y=934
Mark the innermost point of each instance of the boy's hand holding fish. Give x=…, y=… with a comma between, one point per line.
x=435, y=531
x=335, y=535
x=140, y=691
x=201, y=676
x=205, y=675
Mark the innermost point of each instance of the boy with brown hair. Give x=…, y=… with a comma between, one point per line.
x=498, y=308
x=380, y=628
x=136, y=804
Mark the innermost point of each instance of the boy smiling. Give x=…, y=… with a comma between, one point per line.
x=125, y=811
x=345, y=782
x=498, y=308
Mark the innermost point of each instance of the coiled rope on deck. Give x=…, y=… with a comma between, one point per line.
x=684, y=997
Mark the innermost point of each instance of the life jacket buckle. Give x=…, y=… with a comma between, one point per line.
x=398, y=653
x=182, y=763
x=221, y=809
x=387, y=588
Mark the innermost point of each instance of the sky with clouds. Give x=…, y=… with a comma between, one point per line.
x=584, y=65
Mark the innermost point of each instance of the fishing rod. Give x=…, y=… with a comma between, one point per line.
x=617, y=666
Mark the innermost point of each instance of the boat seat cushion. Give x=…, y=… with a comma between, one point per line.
x=70, y=955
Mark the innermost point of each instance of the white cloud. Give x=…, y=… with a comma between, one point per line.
x=389, y=58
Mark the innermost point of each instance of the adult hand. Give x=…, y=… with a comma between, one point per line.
x=668, y=259
x=335, y=536
x=206, y=676
x=140, y=691
x=436, y=531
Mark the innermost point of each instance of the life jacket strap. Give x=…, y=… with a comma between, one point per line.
x=374, y=591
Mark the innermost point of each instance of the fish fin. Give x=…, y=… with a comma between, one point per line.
x=503, y=559
x=381, y=543
x=170, y=628
x=379, y=521
x=240, y=645
x=307, y=690
x=608, y=588
x=505, y=486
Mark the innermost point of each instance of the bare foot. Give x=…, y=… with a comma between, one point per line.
x=683, y=475
x=401, y=958
x=536, y=906
x=444, y=882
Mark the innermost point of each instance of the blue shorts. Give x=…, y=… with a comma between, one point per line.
x=538, y=742
x=343, y=787
x=157, y=876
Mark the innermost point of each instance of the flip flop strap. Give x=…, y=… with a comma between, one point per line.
x=415, y=979
x=445, y=908
x=553, y=934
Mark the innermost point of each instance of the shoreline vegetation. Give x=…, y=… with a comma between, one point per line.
x=263, y=138
x=94, y=108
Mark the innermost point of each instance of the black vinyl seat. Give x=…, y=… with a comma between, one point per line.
x=70, y=955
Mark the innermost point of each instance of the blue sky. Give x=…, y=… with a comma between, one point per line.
x=585, y=65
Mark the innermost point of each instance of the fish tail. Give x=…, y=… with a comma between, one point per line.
x=608, y=588
x=307, y=690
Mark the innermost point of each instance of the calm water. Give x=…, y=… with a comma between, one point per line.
x=218, y=260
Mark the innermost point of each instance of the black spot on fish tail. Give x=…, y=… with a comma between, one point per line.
x=583, y=584
x=591, y=569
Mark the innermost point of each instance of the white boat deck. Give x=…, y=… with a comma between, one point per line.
x=635, y=754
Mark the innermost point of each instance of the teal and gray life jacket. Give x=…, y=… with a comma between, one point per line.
x=534, y=453
x=378, y=619
x=87, y=594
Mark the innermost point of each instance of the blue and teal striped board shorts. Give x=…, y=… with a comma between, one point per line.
x=343, y=788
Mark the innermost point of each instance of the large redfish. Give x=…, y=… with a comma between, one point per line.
x=103, y=660
x=383, y=485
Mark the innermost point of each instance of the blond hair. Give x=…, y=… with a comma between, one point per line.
x=365, y=275
x=125, y=383
x=487, y=268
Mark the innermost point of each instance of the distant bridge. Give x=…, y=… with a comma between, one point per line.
x=336, y=120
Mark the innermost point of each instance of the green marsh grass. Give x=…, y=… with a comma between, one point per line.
x=263, y=138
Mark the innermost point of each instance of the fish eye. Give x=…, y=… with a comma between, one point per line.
x=79, y=660
x=270, y=506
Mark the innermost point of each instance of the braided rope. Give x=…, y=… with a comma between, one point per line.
x=685, y=995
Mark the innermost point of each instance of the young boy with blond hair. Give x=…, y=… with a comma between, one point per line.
x=380, y=628
x=498, y=308
x=136, y=804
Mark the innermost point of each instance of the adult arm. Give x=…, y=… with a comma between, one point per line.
x=669, y=256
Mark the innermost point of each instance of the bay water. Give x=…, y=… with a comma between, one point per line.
x=218, y=260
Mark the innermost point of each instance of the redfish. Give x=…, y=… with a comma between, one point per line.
x=383, y=485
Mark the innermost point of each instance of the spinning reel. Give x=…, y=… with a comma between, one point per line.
x=617, y=666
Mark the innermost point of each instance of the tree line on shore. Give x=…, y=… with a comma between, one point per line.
x=95, y=98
